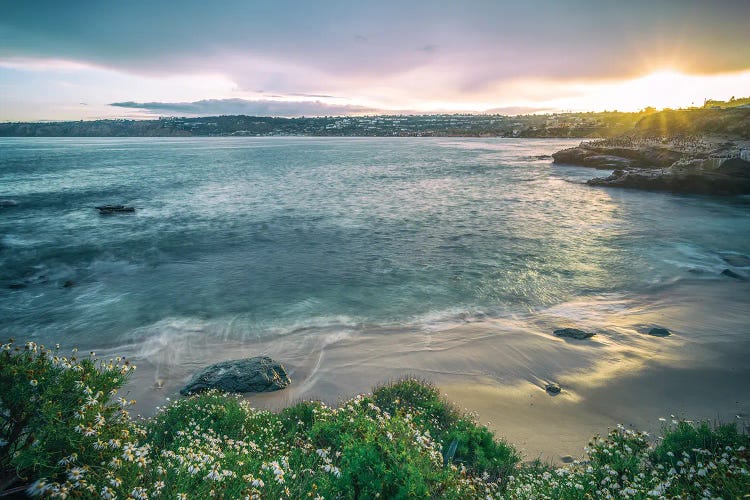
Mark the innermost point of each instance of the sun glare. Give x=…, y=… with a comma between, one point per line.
x=665, y=88
x=661, y=89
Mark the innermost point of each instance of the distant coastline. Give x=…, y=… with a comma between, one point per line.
x=712, y=119
x=558, y=125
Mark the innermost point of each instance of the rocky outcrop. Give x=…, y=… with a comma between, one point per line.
x=258, y=374
x=682, y=167
x=606, y=157
x=711, y=176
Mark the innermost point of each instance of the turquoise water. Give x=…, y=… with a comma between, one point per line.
x=251, y=237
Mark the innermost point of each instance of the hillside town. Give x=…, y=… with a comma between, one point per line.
x=605, y=124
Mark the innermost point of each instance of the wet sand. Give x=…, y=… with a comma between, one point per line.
x=499, y=367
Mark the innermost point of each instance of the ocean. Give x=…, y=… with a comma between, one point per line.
x=253, y=239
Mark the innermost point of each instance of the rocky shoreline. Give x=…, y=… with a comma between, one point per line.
x=679, y=165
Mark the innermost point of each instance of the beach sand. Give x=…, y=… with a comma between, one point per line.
x=499, y=367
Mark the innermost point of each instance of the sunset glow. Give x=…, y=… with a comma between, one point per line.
x=490, y=57
x=661, y=89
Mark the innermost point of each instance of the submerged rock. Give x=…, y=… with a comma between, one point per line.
x=41, y=279
x=736, y=260
x=258, y=374
x=659, y=332
x=573, y=333
x=553, y=388
x=731, y=274
x=115, y=209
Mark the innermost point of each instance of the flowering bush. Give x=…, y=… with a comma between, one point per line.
x=623, y=465
x=64, y=433
x=59, y=415
x=476, y=448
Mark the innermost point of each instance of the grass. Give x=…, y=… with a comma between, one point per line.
x=64, y=433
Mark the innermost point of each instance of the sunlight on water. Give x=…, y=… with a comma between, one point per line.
x=261, y=237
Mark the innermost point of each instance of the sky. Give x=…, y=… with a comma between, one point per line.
x=139, y=59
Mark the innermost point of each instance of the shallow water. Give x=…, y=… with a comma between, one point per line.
x=238, y=239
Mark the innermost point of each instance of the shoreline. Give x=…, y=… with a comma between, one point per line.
x=498, y=367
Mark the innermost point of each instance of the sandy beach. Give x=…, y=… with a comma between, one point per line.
x=499, y=367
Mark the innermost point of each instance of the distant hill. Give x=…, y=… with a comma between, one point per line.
x=578, y=125
x=732, y=122
x=731, y=103
x=715, y=119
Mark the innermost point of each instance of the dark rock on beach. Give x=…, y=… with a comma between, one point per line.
x=573, y=333
x=659, y=332
x=258, y=374
x=553, y=388
x=731, y=274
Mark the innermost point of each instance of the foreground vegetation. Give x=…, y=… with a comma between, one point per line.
x=65, y=433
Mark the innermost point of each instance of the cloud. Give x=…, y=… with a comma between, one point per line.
x=214, y=107
x=263, y=107
x=340, y=41
x=317, y=96
x=394, y=54
x=517, y=110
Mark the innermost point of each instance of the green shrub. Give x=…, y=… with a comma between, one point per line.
x=301, y=416
x=622, y=465
x=381, y=454
x=477, y=448
x=704, y=460
x=686, y=437
x=57, y=414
